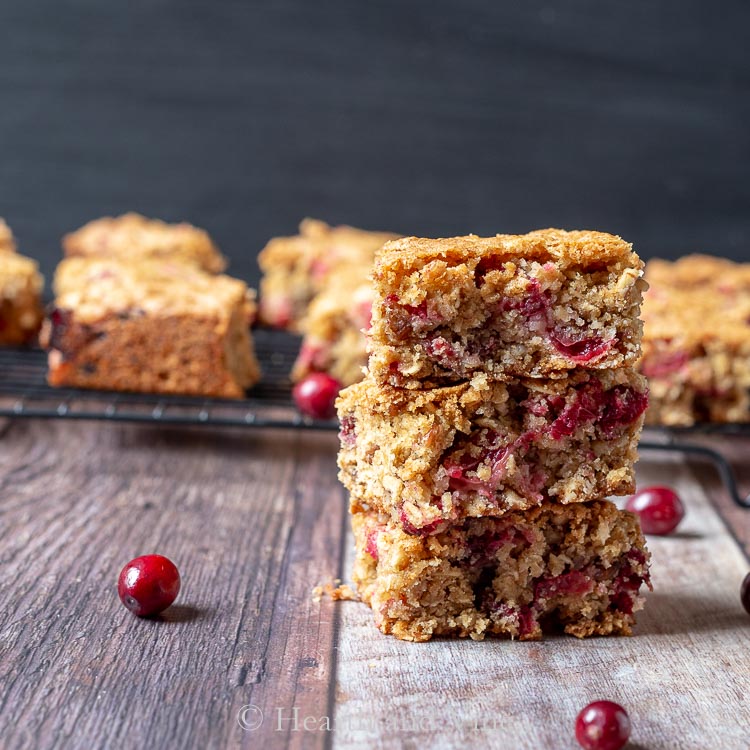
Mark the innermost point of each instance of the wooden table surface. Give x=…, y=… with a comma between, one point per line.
x=246, y=659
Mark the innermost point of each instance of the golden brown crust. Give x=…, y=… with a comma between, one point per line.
x=154, y=326
x=97, y=286
x=133, y=237
x=568, y=248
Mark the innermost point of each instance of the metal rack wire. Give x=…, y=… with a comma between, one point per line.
x=24, y=393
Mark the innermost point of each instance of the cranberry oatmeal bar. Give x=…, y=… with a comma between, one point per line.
x=576, y=568
x=152, y=326
x=333, y=329
x=296, y=268
x=482, y=448
x=20, y=299
x=133, y=237
x=696, y=342
x=534, y=305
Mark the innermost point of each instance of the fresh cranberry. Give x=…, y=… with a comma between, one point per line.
x=148, y=584
x=745, y=593
x=315, y=395
x=602, y=725
x=659, y=508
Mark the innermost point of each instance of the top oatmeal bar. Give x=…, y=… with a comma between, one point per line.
x=296, y=268
x=133, y=237
x=534, y=305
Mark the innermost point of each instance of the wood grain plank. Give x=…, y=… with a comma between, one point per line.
x=684, y=676
x=253, y=520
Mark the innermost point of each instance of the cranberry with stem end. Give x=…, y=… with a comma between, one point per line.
x=148, y=584
x=659, y=508
x=745, y=593
x=315, y=395
x=602, y=725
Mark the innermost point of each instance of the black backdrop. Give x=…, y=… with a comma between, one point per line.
x=431, y=118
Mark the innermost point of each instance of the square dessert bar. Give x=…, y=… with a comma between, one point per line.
x=576, y=568
x=131, y=237
x=696, y=341
x=531, y=305
x=482, y=448
x=333, y=328
x=296, y=268
x=151, y=326
x=21, y=309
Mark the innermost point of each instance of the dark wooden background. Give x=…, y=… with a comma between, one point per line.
x=424, y=117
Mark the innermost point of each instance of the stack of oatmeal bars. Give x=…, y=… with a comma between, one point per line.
x=500, y=409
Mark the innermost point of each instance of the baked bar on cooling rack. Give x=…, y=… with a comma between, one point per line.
x=333, y=328
x=576, y=568
x=482, y=448
x=153, y=326
x=532, y=305
x=296, y=268
x=696, y=341
x=20, y=297
x=132, y=237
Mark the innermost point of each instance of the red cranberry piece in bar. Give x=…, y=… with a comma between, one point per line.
x=59, y=324
x=603, y=725
x=315, y=395
x=580, y=349
x=148, y=584
x=347, y=433
x=659, y=509
x=623, y=405
x=532, y=305
x=661, y=365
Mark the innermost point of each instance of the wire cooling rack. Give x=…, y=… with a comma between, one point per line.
x=24, y=393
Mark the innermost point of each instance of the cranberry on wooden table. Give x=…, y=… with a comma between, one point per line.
x=659, y=508
x=148, y=584
x=315, y=395
x=602, y=725
x=745, y=593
